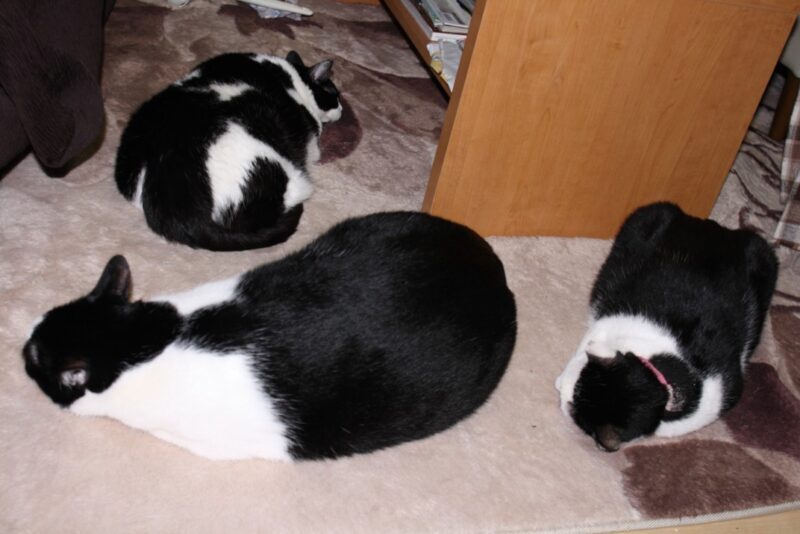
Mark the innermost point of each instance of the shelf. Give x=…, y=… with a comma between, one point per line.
x=418, y=32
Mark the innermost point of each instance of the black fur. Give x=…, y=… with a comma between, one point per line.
x=385, y=329
x=617, y=400
x=708, y=285
x=80, y=336
x=169, y=136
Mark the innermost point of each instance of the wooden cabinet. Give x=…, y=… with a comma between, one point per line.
x=568, y=114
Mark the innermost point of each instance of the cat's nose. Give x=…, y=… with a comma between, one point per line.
x=601, y=447
x=606, y=447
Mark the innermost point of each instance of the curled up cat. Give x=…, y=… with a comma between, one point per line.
x=219, y=160
x=677, y=310
x=387, y=328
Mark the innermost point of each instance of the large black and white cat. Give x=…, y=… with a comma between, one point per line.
x=385, y=329
x=219, y=160
x=676, y=311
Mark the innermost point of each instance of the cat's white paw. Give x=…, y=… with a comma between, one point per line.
x=601, y=348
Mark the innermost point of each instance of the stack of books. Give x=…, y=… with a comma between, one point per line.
x=438, y=29
x=448, y=19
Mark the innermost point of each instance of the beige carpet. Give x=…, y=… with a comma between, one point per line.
x=516, y=465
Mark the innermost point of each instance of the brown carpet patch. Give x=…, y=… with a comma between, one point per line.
x=136, y=42
x=786, y=326
x=696, y=477
x=340, y=138
x=768, y=415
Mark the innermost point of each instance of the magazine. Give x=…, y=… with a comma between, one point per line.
x=446, y=15
x=427, y=26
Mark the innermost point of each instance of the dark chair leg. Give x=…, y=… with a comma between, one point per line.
x=783, y=111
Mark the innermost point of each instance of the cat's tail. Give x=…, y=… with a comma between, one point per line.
x=217, y=238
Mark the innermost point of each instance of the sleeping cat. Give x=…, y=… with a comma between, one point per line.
x=219, y=160
x=677, y=310
x=385, y=329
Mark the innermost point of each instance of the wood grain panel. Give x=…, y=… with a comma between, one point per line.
x=792, y=6
x=571, y=114
x=775, y=523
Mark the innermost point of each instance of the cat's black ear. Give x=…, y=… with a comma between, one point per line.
x=295, y=59
x=646, y=224
x=321, y=71
x=115, y=280
x=762, y=268
x=607, y=438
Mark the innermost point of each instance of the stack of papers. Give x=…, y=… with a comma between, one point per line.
x=445, y=57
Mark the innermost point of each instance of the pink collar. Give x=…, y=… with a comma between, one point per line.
x=662, y=379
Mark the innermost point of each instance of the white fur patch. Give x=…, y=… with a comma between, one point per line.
x=209, y=403
x=230, y=160
x=629, y=333
x=751, y=311
x=194, y=74
x=199, y=297
x=609, y=335
x=332, y=114
x=228, y=91
x=73, y=377
x=301, y=93
x=312, y=151
x=297, y=191
x=566, y=381
x=32, y=354
x=707, y=411
x=137, y=195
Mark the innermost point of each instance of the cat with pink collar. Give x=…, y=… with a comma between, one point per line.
x=677, y=310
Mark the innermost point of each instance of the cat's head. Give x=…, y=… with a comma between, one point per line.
x=86, y=343
x=318, y=79
x=619, y=399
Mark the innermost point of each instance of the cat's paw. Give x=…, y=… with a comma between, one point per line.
x=601, y=349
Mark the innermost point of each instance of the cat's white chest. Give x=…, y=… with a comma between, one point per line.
x=628, y=333
x=209, y=403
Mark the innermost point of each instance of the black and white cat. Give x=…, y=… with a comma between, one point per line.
x=219, y=160
x=676, y=311
x=385, y=329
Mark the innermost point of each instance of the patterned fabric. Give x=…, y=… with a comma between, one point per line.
x=788, y=230
x=751, y=459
